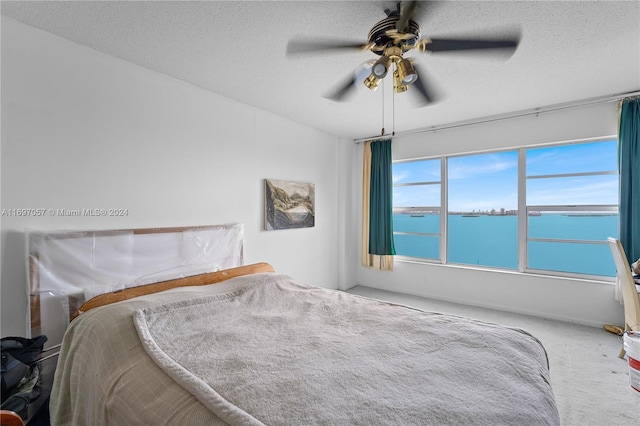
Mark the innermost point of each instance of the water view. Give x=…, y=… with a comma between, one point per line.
x=492, y=240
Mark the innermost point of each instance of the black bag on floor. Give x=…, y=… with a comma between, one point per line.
x=20, y=372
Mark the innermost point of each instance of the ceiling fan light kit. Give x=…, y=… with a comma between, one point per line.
x=406, y=72
x=372, y=82
x=381, y=67
x=398, y=85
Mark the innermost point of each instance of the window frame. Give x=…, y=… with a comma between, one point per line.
x=523, y=210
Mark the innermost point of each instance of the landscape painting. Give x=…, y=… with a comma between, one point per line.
x=289, y=204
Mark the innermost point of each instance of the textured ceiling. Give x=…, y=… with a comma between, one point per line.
x=569, y=51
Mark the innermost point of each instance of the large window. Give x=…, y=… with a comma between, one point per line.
x=532, y=209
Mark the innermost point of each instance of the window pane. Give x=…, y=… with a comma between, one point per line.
x=573, y=226
x=416, y=171
x=484, y=240
x=483, y=182
x=575, y=158
x=483, y=199
x=574, y=190
x=422, y=246
x=592, y=259
x=416, y=196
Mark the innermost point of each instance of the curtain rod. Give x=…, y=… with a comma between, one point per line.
x=524, y=113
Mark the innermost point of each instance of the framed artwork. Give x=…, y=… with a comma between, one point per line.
x=288, y=204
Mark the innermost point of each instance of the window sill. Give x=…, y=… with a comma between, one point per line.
x=527, y=272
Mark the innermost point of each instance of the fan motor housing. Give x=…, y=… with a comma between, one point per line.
x=381, y=35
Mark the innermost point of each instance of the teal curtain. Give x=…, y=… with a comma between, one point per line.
x=629, y=162
x=380, y=201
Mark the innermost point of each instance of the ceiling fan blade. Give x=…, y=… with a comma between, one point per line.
x=341, y=93
x=408, y=11
x=458, y=44
x=425, y=89
x=313, y=46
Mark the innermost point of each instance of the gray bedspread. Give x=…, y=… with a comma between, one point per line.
x=274, y=351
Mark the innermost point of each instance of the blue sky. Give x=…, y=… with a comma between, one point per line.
x=489, y=181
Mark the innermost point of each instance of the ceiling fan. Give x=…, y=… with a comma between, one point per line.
x=390, y=39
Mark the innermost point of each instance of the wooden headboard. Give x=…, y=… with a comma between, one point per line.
x=66, y=268
x=195, y=280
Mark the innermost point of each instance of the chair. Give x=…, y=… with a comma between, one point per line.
x=9, y=418
x=630, y=297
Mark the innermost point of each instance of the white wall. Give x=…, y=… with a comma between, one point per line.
x=84, y=130
x=579, y=301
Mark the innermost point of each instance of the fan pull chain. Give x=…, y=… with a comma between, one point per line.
x=393, y=113
x=382, y=131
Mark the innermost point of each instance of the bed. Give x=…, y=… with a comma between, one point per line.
x=247, y=345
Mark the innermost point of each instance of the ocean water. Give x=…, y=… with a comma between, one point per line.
x=493, y=241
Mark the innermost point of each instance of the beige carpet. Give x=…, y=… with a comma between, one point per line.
x=590, y=382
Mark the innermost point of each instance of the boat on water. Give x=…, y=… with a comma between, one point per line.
x=470, y=215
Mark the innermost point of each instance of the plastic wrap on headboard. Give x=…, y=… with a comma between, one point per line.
x=68, y=267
